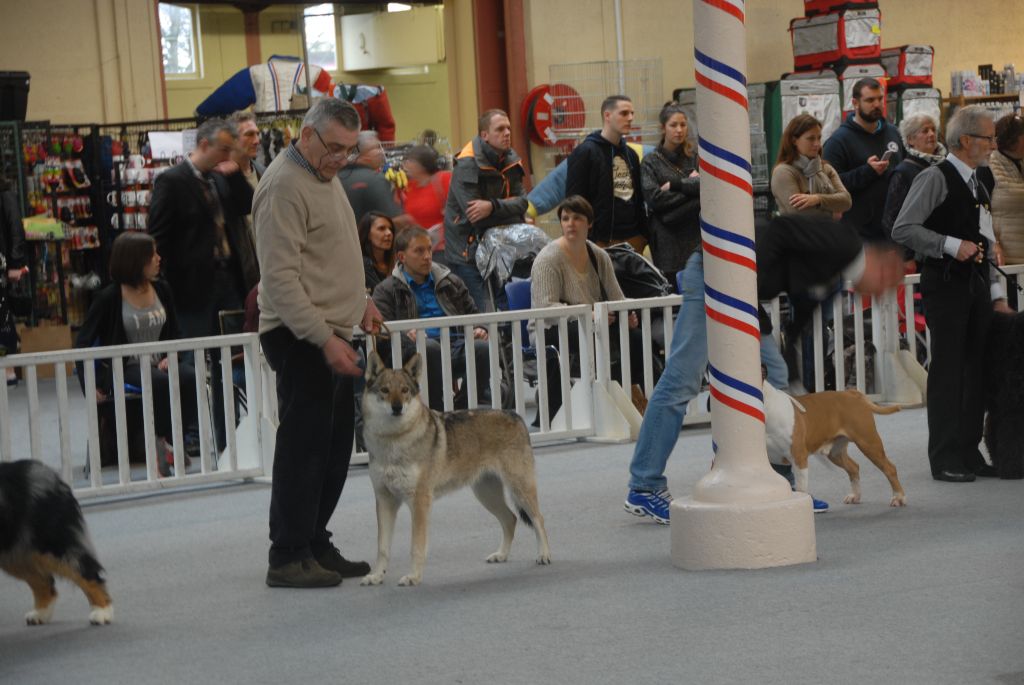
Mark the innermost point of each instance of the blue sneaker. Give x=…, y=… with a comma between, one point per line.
x=819, y=506
x=653, y=504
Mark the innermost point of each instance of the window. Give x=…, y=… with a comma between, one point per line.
x=179, y=40
x=321, y=39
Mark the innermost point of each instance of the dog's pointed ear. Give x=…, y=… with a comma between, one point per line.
x=374, y=365
x=414, y=367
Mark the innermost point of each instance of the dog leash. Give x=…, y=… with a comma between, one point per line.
x=1008, y=277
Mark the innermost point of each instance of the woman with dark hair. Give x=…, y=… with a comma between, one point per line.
x=921, y=140
x=138, y=308
x=427, y=193
x=802, y=181
x=572, y=270
x=1007, y=163
x=377, y=240
x=671, y=186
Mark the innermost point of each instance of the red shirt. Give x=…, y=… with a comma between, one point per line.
x=425, y=204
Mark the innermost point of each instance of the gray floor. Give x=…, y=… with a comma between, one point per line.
x=933, y=593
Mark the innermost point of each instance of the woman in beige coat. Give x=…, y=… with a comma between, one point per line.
x=1008, y=195
x=803, y=182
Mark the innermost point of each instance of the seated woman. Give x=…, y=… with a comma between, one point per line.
x=572, y=270
x=377, y=241
x=138, y=308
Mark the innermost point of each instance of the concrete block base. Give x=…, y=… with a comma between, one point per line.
x=742, y=536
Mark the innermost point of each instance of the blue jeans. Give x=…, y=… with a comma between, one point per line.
x=681, y=381
x=477, y=286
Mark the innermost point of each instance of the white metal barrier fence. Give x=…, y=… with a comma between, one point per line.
x=64, y=431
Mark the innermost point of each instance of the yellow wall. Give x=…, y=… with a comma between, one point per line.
x=963, y=33
x=418, y=100
x=90, y=61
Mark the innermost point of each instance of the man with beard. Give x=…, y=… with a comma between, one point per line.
x=857, y=150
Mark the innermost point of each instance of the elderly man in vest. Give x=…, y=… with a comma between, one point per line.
x=946, y=219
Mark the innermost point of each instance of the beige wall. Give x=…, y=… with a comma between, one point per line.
x=963, y=33
x=91, y=61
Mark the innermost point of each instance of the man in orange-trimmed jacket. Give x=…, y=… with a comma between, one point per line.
x=486, y=190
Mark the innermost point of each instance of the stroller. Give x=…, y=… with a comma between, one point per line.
x=504, y=253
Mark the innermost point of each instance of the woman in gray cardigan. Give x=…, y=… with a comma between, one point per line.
x=672, y=189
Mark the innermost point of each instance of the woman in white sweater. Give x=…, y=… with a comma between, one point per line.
x=571, y=270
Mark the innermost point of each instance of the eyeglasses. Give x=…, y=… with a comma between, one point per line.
x=991, y=139
x=337, y=151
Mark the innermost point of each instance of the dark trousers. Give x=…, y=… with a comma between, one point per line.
x=314, y=446
x=162, y=398
x=958, y=309
x=200, y=319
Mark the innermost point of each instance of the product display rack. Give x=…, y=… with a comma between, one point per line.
x=1008, y=101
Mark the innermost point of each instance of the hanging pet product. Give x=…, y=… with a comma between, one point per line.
x=909, y=65
x=850, y=37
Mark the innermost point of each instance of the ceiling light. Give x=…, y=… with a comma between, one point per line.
x=398, y=7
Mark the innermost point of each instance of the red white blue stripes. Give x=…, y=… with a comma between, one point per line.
x=720, y=78
x=724, y=165
x=731, y=312
x=736, y=394
x=732, y=247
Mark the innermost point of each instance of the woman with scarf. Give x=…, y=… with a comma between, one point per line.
x=803, y=182
x=672, y=189
x=920, y=138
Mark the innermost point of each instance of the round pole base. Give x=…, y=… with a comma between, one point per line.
x=742, y=536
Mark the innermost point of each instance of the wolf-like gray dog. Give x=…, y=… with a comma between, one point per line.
x=417, y=454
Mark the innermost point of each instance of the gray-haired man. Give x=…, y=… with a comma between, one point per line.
x=311, y=296
x=946, y=219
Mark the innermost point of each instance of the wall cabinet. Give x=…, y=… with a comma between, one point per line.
x=384, y=40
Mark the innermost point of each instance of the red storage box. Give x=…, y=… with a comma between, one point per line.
x=813, y=7
x=909, y=65
x=853, y=36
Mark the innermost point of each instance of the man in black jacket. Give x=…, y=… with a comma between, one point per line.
x=863, y=151
x=486, y=190
x=190, y=217
x=947, y=219
x=606, y=171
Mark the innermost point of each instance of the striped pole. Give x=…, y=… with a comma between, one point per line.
x=741, y=514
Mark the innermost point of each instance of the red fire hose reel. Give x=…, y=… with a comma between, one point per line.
x=549, y=110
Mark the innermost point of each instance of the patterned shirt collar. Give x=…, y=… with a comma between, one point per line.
x=296, y=156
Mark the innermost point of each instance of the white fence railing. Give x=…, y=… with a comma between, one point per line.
x=63, y=428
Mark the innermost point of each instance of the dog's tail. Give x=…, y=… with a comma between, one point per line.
x=878, y=409
x=524, y=517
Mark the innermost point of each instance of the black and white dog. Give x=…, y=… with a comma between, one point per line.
x=1004, y=394
x=42, y=535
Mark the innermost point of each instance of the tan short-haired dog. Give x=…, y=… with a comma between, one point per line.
x=417, y=454
x=825, y=423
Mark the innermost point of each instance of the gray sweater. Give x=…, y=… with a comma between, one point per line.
x=555, y=282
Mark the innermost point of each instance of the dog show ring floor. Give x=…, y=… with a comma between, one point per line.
x=928, y=594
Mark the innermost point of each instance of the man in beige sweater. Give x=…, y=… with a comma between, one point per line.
x=311, y=296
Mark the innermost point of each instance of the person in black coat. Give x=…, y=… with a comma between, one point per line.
x=12, y=253
x=672, y=189
x=194, y=216
x=137, y=308
x=920, y=137
x=605, y=171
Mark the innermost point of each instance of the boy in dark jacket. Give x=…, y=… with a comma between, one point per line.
x=605, y=171
x=486, y=190
x=420, y=289
x=858, y=152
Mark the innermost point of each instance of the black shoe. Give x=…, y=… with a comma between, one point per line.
x=332, y=560
x=302, y=573
x=986, y=471
x=954, y=476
